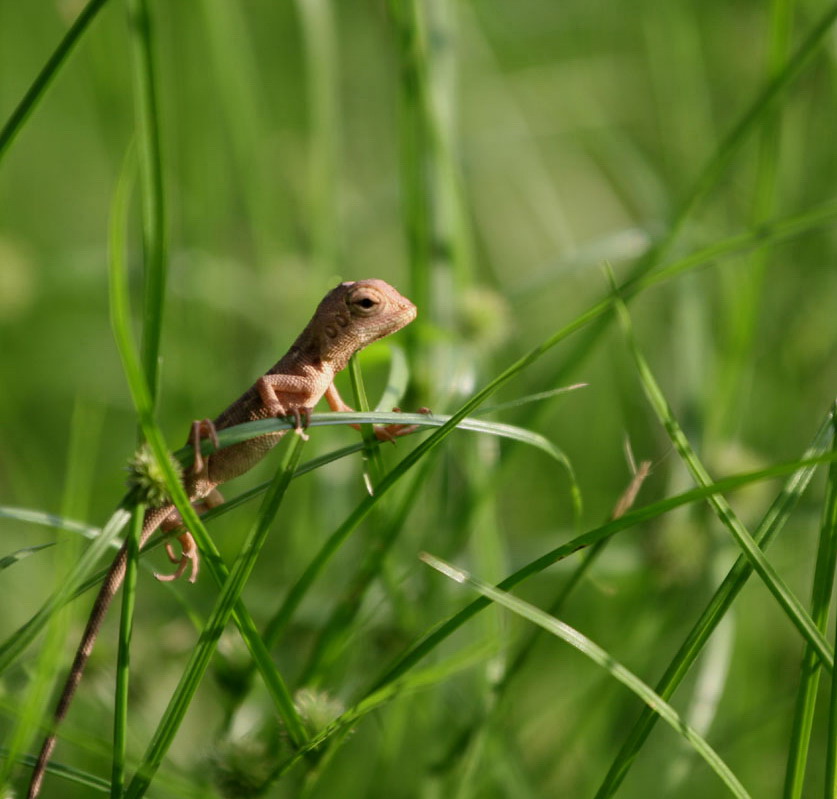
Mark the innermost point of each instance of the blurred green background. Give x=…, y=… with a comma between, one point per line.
x=488, y=159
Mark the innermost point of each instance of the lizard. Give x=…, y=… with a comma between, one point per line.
x=350, y=316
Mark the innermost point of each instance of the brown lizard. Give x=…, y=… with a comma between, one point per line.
x=349, y=318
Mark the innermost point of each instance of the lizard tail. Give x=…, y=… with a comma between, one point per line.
x=116, y=574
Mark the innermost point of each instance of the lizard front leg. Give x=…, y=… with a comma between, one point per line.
x=386, y=433
x=287, y=395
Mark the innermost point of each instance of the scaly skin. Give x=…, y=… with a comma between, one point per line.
x=349, y=318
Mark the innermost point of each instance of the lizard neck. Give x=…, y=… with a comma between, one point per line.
x=323, y=345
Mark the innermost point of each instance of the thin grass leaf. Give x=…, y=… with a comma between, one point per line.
x=217, y=621
x=711, y=173
x=72, y=774
x=831, y=744
x=767, y=234
x=123, y=663
x=371, y=453
x=34, y=94
x=717, y=608
x=529, y=398
x=15, y=644
x=524, y=650
x=789, y=603
x=439, y=632
x=43, y=519
x=446, y=424
x=213, y=562
x=153, y=197
x=717, y=164
x=21, y=554
x=810, y=672
x=601, y=658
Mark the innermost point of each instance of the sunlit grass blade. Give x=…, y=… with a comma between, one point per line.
x=439, y=632
x=523, y=650
x=602, y=658
x=51, y=68
x=217, y=621
x=43, y=519
x=16, y=643
x=529, y=398
x=773, y=521
x=766, y=234
x=446, y=424
x=787, y=600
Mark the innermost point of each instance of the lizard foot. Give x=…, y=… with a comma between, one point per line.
x=201, y=428
x=392, y=431
x=188, y=558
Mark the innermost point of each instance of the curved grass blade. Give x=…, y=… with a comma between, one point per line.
x=602, y=658
x=21, y=554
x=787, y=600
x=48, y=520
x=16, y=643
x=718, y=606
x=439, y=632
x=295, y=595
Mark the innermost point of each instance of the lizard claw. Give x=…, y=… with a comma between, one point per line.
x=188, y=558
x=301, y=418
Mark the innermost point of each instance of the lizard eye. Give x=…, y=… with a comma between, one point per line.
x=364, y=303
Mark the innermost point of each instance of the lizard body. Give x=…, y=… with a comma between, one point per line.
x=349, y=317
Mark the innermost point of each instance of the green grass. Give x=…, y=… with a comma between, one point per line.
x=635, y=202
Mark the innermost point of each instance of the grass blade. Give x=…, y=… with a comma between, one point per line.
x=717, y=608
x=224, y=605
x=601, y=658
x=123, y=665
x=810, y=673
x=784, y=596
x=153, y=198
x=433, y=637
x=54, y=63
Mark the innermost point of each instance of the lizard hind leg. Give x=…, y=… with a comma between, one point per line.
x=189, y=556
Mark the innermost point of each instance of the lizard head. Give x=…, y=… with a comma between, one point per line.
x=354, y=314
